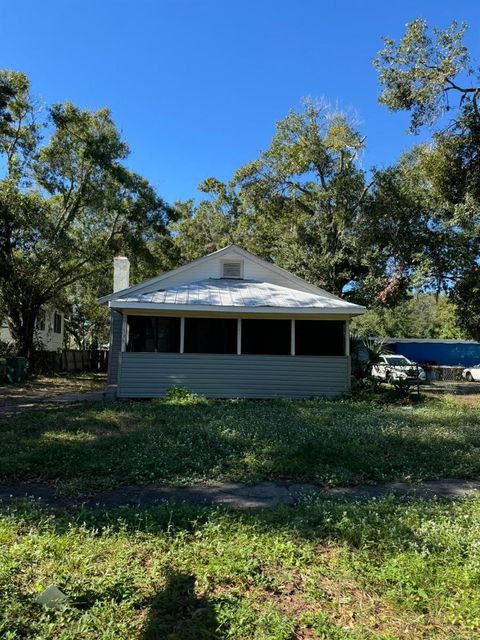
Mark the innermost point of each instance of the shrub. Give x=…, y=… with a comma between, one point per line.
x=182, y=395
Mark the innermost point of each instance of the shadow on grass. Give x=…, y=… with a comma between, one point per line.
x=178, y=613
x=175, y=611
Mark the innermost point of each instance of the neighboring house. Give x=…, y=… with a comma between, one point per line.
x=49, y=330
x=227, y=325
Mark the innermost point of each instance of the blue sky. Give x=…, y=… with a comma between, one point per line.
x=196, y=85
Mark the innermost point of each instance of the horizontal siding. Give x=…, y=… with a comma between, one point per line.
x=115, y=345
x=148, y=375
x=212, y=269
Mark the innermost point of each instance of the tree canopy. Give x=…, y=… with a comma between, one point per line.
x=433, y=77
x=300, y=204
x=67, y=202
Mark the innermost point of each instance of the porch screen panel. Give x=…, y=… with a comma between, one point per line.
x=210, y=335
x=266, y=337
x=150, y=333
x=320, y=337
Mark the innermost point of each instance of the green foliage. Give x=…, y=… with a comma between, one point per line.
x=424, y=75
x=374, y=349
x=467, y=297
x=310, y=194
x=187, y=439
x=305, y=204
x=418, y=73
x=67, y=203
x=421, y=316
x=6, y=348
x=181, y=395
x=208, y=226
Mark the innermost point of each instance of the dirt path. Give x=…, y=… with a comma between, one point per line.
x=44, y=391
x=238, y=496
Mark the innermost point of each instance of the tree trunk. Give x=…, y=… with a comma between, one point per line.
x=23, y=333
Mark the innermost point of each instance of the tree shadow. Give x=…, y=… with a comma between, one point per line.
x=177, y=613
x=90, y=449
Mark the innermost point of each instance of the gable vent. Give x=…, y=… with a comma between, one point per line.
x=231, y=269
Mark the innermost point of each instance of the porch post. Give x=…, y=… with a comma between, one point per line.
x=239, y=336
x=347, y=337
x=123, y=344
x=292, y=337
x=182, y=334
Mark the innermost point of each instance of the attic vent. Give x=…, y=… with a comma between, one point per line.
x=232, y=269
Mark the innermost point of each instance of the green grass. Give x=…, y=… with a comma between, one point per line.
x=386, y=570
x=83, y=449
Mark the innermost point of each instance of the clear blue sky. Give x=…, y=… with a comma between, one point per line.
x=197, y=85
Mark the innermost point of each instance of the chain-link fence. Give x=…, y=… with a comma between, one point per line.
x=437, y=373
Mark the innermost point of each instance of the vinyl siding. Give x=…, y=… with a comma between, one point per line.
x=115, y=346
x=148, y=375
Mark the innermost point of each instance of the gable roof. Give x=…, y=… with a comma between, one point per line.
x=221, y=253
x=220, y=292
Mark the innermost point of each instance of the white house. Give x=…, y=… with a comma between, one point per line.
x=49, y=330
x=227, y=325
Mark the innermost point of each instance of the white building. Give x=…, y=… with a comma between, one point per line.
x=49, y=330
x=227, y=325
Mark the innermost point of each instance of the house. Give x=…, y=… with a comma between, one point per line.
x=49, y=330
x=227, y=325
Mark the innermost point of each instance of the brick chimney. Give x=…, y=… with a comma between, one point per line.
x=121, y=273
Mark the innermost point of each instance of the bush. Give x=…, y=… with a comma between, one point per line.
x=182, y=395
x=7, y=349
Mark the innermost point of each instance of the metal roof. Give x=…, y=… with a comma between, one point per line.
x=224, y=292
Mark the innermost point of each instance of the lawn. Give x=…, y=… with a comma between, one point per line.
x=83, y=449
x=389, y=569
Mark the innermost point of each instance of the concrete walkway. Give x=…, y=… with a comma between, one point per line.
x=239, y=496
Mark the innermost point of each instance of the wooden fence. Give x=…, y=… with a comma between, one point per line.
x=93, y=360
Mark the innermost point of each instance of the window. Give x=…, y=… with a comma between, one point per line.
x=210, y=335
x=319, y=337
x=145, y=333
x=397, y=361
x=57, y=323
x=268, y=337
x=41, y=320
x=231, y=269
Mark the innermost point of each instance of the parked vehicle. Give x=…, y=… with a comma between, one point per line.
x=393, y=367
x=472, y=373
